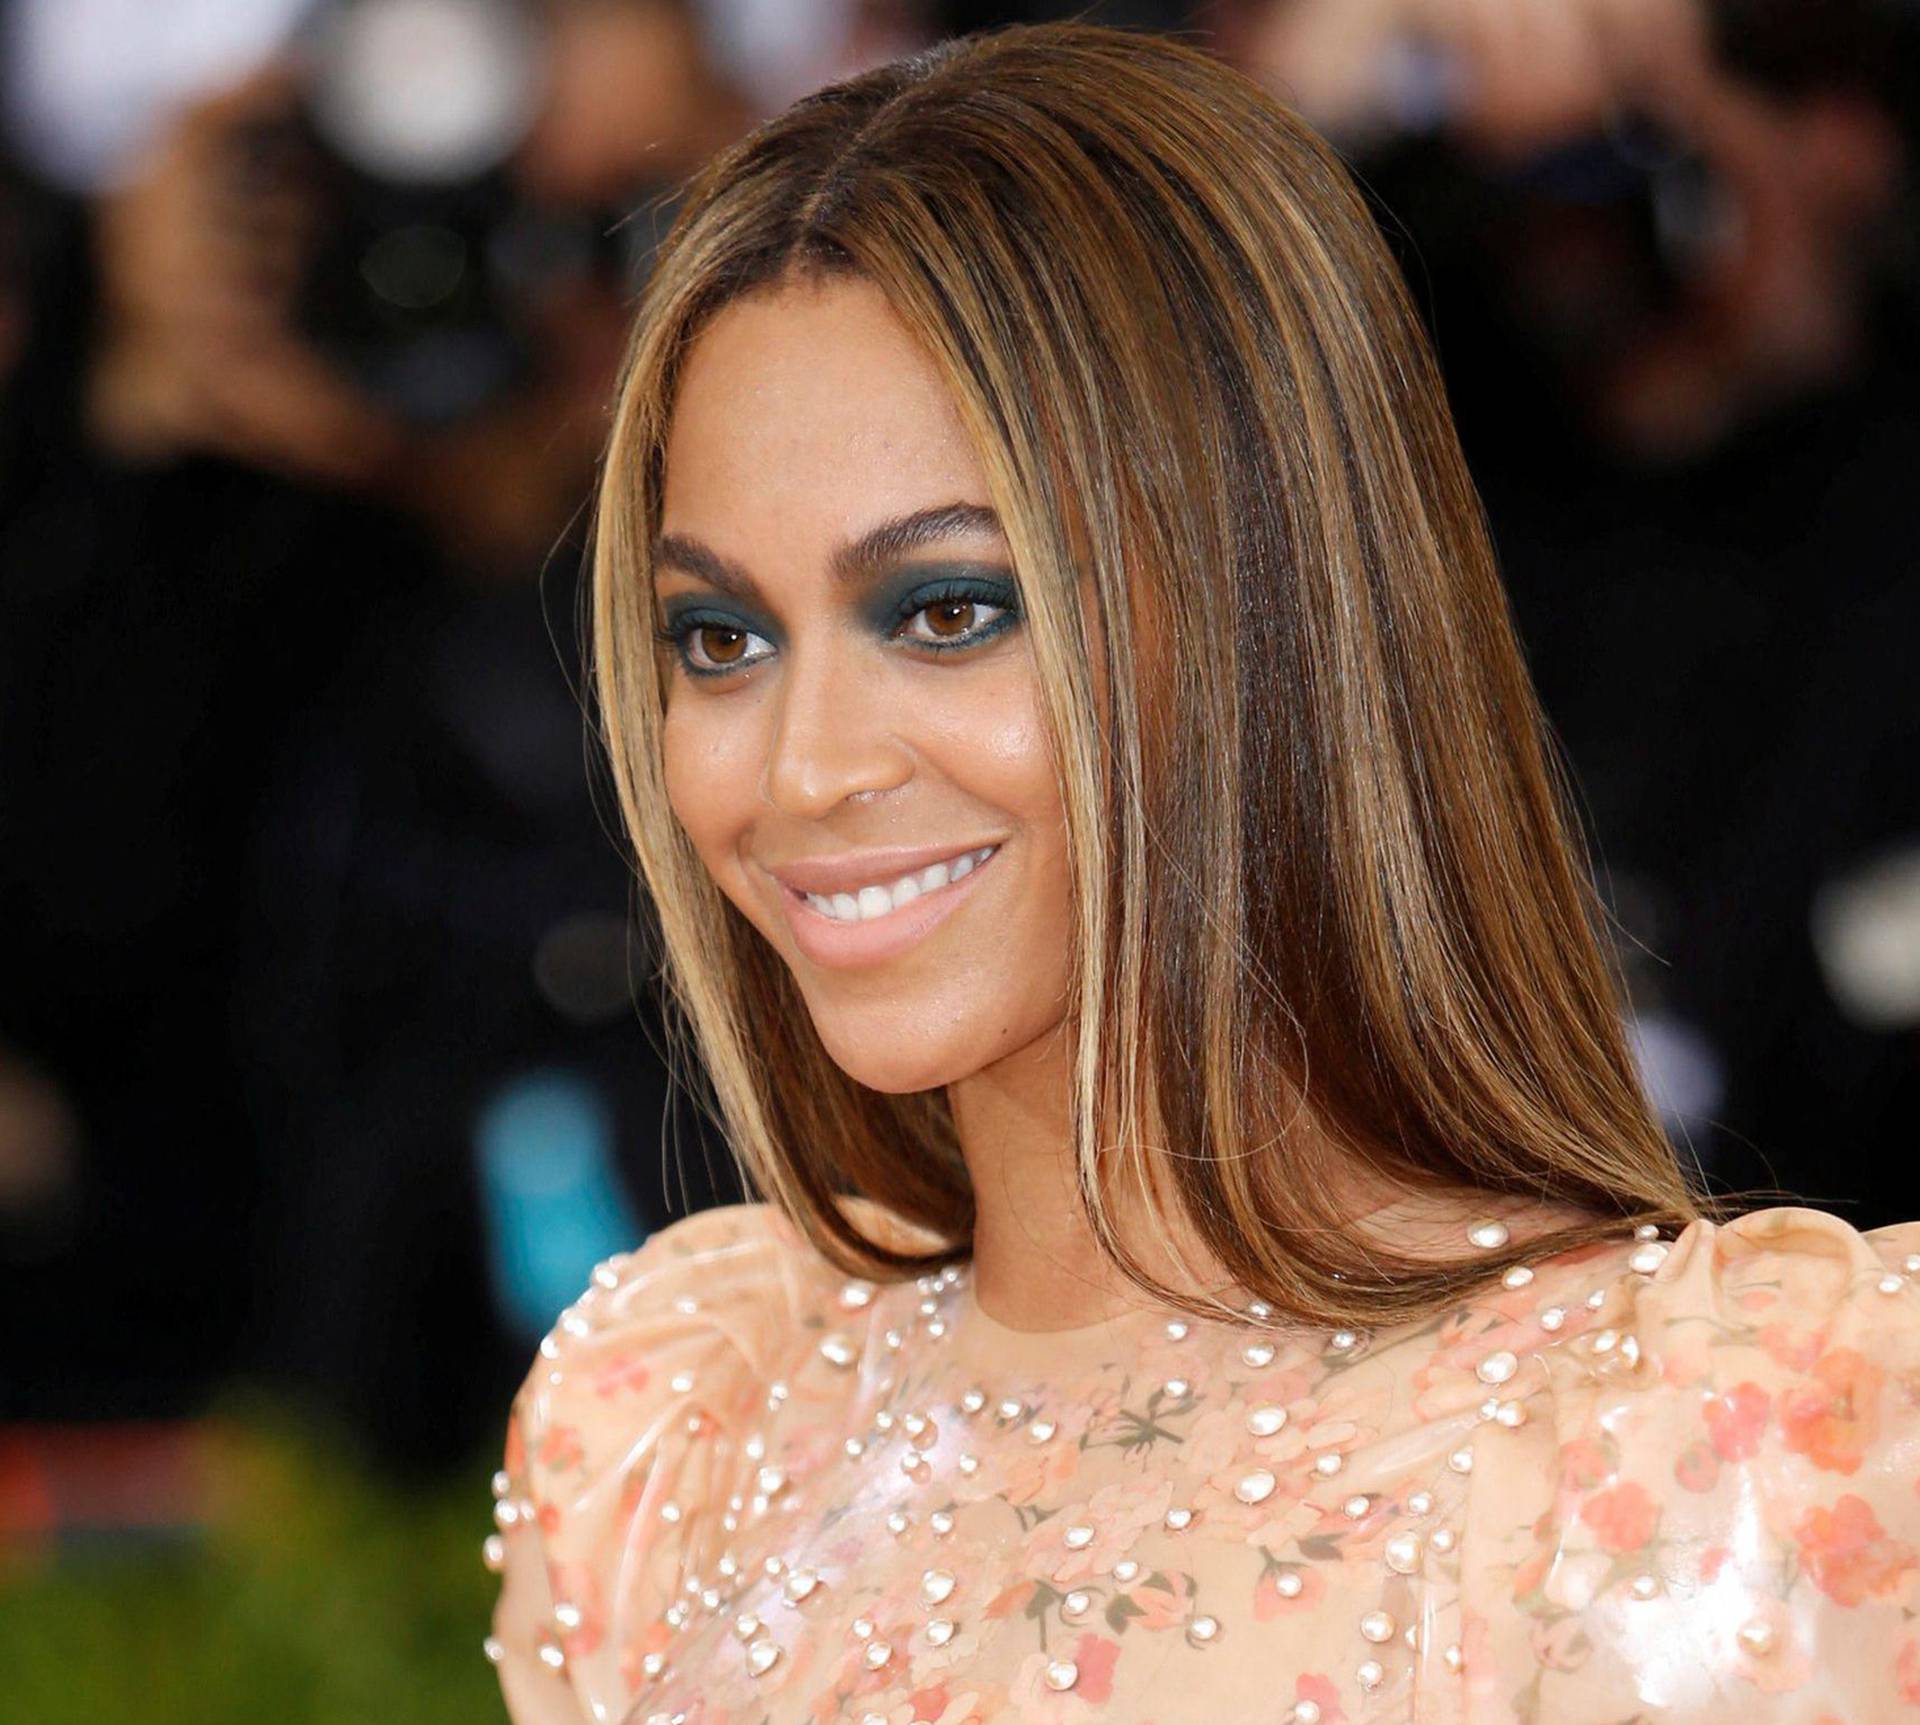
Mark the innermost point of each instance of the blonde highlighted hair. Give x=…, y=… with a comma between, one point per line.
x=1322, y=869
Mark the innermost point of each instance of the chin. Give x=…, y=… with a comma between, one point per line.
x=883, y=1060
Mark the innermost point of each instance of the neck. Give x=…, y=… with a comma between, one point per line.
x=1036, y=1262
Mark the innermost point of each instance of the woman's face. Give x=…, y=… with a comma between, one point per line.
x=853, y=738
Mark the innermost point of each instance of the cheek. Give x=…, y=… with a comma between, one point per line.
x=984, y=735
x=993, y=746
x=712, y=771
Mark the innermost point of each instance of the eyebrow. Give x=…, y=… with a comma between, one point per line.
x=852, y=563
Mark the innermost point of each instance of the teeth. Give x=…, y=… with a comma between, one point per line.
x=872, y=902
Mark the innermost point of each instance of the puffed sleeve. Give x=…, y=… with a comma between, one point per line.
x=632, y=1424
x=1713, y=1512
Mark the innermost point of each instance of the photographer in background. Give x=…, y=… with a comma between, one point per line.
x=1670, y=254
x=310, y=894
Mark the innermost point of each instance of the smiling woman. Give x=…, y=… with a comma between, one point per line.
x=853, y=741
x=1216, y=1256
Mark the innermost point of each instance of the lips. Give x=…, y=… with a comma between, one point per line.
x=849, y=871
x=871, y=903
x=834, y=942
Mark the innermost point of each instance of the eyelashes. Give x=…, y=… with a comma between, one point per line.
x=687, y=627
x=960, y=613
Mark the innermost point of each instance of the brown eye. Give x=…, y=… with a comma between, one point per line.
x=722, y=646
x=712, y=649
x=951, y=617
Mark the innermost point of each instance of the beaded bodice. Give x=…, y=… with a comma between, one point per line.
x=1647, y=1478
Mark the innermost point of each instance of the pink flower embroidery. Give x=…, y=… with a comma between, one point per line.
x=1697, y=1468
x=1907, y=1669
x=1622, y=1519
x=1832, y=1419
x=1315, y=1687
x=621, y=1373
x=1090, y=1538
x=1849, y=1554
x=1736, y=1420
x=561, y=1448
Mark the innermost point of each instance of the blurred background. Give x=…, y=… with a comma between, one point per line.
x=327, y=1068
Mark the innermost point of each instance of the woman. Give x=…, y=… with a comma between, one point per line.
x=1218, y=1263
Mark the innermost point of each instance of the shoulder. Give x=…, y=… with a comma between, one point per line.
x=1714, y=1499
x=700, y=1317
x=626, y=1425
x=640, y=1424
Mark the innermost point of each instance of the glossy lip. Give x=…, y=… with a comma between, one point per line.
x=851, y=945
x=851, y=870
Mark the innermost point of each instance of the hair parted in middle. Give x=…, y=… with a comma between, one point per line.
x=1323, y=869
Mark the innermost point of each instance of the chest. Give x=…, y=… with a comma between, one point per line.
x=1206, y=1539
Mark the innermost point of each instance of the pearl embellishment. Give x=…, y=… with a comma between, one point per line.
x=1496, y=1368
x=1255, y=1487
x=773, y=1492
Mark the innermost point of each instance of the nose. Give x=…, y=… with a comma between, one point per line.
x=834, y=734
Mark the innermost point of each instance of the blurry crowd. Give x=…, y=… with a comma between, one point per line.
x=326, y=1056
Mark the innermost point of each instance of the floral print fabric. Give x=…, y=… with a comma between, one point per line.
x=1645, y=1480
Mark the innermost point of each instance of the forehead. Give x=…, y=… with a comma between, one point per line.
x=808, y=411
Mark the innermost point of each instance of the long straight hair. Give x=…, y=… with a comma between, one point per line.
x=1326, y=909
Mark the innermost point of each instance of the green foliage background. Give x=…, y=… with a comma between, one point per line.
x=319, y=1596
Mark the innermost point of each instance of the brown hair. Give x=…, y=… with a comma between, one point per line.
x=1321, y=867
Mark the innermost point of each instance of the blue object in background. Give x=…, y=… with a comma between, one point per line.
x=552, y=1200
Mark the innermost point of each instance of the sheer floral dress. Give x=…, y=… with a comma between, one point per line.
x=1646, y=1480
